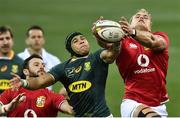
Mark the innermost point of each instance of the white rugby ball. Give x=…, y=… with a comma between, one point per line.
x=108, y=31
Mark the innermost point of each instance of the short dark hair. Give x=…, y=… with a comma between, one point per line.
x=34, y=27
x=26, y=61
x=4, y=29
x=68, y=43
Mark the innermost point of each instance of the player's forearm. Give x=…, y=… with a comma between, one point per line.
x=31, y=83
x=144, y=38
x=111, y=54
x=34, y=83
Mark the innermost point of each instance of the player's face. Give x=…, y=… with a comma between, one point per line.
x=141, y=20
x=36, y=67
x=80, y=45
x=36, y=39
x=6, y=43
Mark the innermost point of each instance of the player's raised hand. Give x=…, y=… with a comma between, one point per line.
x=66, y=108
x=126, y=27
x=94, y=23
x=16, y=81
x=14, y=103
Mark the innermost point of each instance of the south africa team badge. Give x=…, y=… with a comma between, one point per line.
x=14, y=68
x=87, y=66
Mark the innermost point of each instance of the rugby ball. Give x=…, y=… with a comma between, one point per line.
x=108, y=31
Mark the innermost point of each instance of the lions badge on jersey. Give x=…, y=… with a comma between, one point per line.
x=40, y=102
x=87, y=66
x=14, y=68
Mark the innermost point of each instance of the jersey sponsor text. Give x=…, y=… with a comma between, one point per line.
x=79, y=86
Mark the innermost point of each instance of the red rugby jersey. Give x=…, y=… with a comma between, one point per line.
x=144, y=71
x=40, y=103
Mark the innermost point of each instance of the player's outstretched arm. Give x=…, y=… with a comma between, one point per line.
x=13, y=104
x=32, y=83
x=111, y=52
x=63, y=92
x=146, y=38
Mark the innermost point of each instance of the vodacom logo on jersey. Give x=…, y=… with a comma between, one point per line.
x=143, y=61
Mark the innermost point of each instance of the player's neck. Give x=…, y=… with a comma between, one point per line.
x=32, y=51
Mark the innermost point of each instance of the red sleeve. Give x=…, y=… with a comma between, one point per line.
x=165, y=37
x=5, y=97
x=57, y=99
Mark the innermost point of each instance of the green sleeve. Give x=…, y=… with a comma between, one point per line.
x=57, y=72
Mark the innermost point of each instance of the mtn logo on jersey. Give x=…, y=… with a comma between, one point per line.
x=80, y=86
x=134, y=46
x=4, y=84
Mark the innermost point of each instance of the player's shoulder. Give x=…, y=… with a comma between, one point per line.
x=160, y=33
x=46, y=91
x=17, y=59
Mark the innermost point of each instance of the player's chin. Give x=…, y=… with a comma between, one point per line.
x=5, y=50
x=40, y=73
x=84, y=52
x=84, y=49
x=142, y=27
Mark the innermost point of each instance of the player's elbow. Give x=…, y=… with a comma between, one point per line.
x=158, y=46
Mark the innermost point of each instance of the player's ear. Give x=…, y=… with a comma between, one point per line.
x=26, y=72
x=43, y=41
x=27, y=41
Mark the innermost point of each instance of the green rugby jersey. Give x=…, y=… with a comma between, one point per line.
x=7, y=65
x=85, y=81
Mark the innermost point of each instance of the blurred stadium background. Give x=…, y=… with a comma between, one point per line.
x=60, y=17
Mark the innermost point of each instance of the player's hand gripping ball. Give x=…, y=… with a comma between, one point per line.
x=108, y=31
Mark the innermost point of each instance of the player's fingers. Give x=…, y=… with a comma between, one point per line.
x=123, y=19
x=123, y=23
x=125, y=28
x=22, y=97
x=109, y=45
x=18, y=98
x=101, y=18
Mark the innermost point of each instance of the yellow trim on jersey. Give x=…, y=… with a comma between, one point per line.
x=10, y=54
